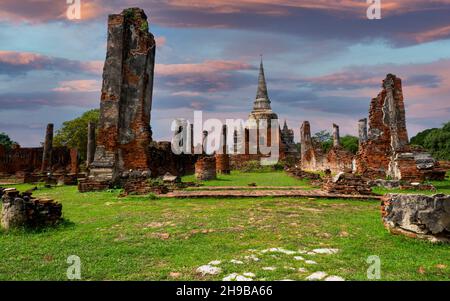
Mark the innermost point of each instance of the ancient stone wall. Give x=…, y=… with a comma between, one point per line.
x=19, y=160
x=22, y=210
x=163, y=160
x=386, y=151
x=314, y=159
x=418, y=216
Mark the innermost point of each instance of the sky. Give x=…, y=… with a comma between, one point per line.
x=324, y=60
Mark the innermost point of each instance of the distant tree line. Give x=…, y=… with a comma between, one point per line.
x=6, y=141
x=73, y=133
x=436, y=141
x=325, y=140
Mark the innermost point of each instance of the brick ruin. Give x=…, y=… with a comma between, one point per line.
x=205, y=169
x=124, y=129
x=384, y=148
x=125, y=153
x=30, y=165
x=23, y=210
x=313, y=157
x=418, y=216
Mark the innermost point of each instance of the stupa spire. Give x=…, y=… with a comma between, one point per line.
x=262, y=97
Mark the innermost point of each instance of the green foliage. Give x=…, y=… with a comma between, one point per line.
x=144, y=26
x=419, y=139
x=6, y=141
x=350, y=143
x=73, y=133
x=325, y=140
x=436, y=141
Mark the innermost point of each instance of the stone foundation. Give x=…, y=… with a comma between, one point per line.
x=86, y=185
x=22, y=210
x=347, y=183
x=223, y=164
x=205, y=169
x=418, y=216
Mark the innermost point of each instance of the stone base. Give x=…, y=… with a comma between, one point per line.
x=418, y=216
x=223, y=164
x=143, y=187
x=205, y=169
x=90, y=185
x=22, y=210
x=347, y=183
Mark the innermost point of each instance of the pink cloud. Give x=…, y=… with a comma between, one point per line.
x=160, y=41
x=206, y=67
x=433, y=34
x=14, y=62
x=84, y=85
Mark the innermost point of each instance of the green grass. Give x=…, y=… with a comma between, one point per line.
x=236, y=178
x=135, y=238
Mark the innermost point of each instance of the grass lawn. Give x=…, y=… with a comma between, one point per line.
x=236, y=178
x=135, y=238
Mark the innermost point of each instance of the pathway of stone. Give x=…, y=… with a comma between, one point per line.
x=293, y=264
x=213, y=188
x=224, y=193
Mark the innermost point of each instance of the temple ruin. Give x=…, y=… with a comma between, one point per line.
x=124, y=149
x=35, y=164
x=313, y=158
x=384, y=150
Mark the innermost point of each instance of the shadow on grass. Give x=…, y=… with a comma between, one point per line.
x=64, y=224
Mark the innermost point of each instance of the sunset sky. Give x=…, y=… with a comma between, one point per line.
x=324, y=60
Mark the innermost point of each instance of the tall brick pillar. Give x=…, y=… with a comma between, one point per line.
x=124, y=131
x=336, y=136
x=90, y=144
x=362, y=130
x=48, y=149
x=74, y=161
x=305, y=139
x=222, y=158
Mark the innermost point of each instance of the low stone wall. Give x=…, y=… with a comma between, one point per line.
x=347, y=183
x=418, y=216
x=88, y=185
x=205, y=169
x=22, y=210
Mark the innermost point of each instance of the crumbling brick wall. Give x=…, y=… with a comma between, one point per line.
x=314, y=159
x=163, y=160
x=29, y=160
x=386, y=151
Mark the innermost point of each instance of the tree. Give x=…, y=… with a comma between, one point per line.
x=436, y=141
x=350, y=143
x=324, y=139
x=419, y=139
x=6, y=141
x=73, y=133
